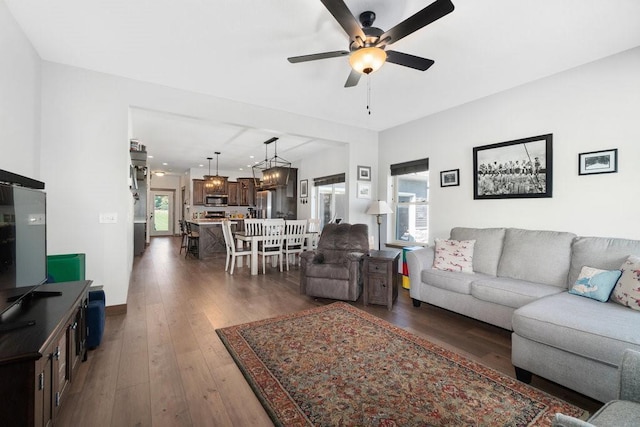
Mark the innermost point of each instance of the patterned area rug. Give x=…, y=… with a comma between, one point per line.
x=340, y=366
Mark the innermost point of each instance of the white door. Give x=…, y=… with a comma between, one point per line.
x=161, y=213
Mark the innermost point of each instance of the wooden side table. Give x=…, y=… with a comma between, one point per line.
x=381, y=278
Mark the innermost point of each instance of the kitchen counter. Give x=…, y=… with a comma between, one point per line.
x=211, y=241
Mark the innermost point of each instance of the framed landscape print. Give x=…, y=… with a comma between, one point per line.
x=364, y=190
x=304, y=188
x=605, y=161
x=514, y=169
x=450, y=178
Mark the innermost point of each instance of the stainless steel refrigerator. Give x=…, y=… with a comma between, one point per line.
x=264, y=204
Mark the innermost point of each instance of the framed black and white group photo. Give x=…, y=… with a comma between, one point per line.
x=514, y=169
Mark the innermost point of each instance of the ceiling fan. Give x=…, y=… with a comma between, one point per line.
x=367, y=44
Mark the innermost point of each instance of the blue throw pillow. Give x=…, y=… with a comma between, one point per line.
x=595, y=283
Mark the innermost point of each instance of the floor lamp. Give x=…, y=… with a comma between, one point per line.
x=379, y=208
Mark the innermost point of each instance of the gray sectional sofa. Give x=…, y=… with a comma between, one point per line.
x=520, y=282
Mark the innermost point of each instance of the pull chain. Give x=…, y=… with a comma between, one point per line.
x=369, y=93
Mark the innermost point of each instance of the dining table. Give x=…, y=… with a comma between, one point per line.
x=254, y=239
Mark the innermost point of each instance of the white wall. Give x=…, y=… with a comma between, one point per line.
x=344, y=159
x=590, y=108
x=19, y=99
x=85, y=140
x=329, y=162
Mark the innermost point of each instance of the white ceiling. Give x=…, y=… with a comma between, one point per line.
x=238, y=49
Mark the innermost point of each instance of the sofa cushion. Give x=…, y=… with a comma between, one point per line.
x=600, y=252
x=510, y=292
x=536, y=256
x=627, y=290
x=595, y=283
x=454, y=255
x=450, y=280
x=594, y=330
x=488, y=247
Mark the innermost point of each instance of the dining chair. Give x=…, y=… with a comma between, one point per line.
x=253, y=226
x=271, y=244
x=294, y=239
x=230, y=243
x=313, y=225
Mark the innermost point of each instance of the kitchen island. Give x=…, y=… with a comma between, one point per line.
x=211, y=241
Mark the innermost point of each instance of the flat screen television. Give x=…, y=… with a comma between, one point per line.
x=23, y=241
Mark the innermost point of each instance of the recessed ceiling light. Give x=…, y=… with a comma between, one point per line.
x=251, y=157
x=240, y=169
x=201, y=166
x=164, y=163
x=149, y=156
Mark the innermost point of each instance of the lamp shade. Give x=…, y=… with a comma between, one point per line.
x=367, y=59
x=379, y=208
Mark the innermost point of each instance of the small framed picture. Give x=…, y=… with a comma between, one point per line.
x=304, y=188
x=364, y=173
x=605, y=161
x=364, y=190
x=450, y=178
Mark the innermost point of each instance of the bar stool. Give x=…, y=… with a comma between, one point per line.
x=193, y=241
x=183, y=235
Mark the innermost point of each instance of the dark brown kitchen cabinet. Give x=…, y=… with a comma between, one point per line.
x=247, y=192
x=233, y=193
x=198, y=192
x=38, y=362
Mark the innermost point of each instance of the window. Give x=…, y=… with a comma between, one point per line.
x=411, y=197
x=331, y=197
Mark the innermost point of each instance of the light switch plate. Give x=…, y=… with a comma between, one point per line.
x=108, y=218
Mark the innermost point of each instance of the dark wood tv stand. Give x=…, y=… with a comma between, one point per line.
x=38, y=362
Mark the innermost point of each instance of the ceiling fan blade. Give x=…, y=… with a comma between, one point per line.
x=407, y=60
x=353, y=79
x=345, y=18
x=315, y=56
x=426, y=16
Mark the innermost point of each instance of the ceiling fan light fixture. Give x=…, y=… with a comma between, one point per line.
x=367, y=60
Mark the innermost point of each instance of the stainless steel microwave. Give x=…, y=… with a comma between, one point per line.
x=216, y=200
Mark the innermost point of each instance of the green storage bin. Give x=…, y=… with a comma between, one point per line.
x=65, y=268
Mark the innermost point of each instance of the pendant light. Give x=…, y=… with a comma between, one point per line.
x=214, y=183
x=271, y=172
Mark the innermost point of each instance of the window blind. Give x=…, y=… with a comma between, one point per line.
x=328, y=180
x=413, y=166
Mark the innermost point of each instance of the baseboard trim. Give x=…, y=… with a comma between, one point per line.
x=114, y=310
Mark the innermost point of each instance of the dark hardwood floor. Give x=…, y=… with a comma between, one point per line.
x=162, y=363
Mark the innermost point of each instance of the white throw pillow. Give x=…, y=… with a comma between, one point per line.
x=627, y=290
x=454, y=255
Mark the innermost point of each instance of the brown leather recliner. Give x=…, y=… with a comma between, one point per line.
x=333, y=270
